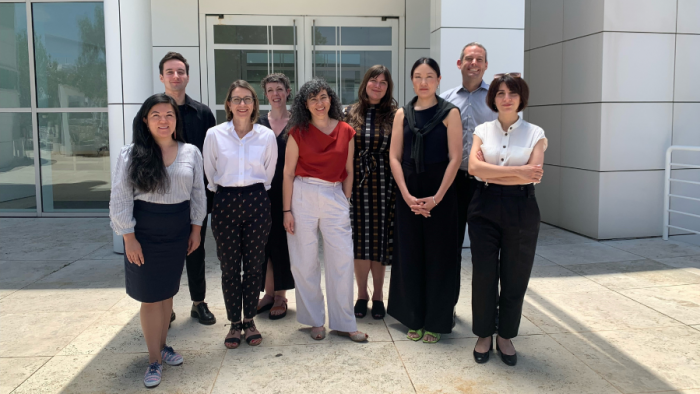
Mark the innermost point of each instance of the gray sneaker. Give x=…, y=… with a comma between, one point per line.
x=153, y=375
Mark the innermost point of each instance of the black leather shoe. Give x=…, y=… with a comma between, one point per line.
x=482, y=358
x=201, y=311
x=507, y=360
x=172, y=317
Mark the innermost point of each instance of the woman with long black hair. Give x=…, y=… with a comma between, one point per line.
x=157, y=204
x=425, y=154
x=373, y=191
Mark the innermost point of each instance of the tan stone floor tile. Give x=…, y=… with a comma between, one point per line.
x=687, y=263
x=467, y=260
x=41, y=334
x=584, y=254
x=18, y=274
x=17, y=370
x=679, y=302
x=590, y=311
x=634, y=361
x=635, y=274
x=544, y=366
x=333, y=368
x=123, y=373
x=558, y=279
x=654, y=248
x=545, y=226
x=43, y=250
x=556, y=236
x=463, y=328
x=696, y=327
x=83, y=274
x=689, y=391
x=62, y=300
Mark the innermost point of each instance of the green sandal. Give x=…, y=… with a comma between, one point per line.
x=434, y=335
x=420, y=333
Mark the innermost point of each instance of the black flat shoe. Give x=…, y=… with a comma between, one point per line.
x=507, y=360
x=361, y=308
x=172, y=318
x=482, y=358
x=201, y=312
x=378, y=310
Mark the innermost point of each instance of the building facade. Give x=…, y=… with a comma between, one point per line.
x=611, y=88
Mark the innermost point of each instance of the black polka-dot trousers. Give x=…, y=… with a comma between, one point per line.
x=240, y=222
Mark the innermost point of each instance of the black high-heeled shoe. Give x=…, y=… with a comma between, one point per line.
x=482, y=358
x=509, y=360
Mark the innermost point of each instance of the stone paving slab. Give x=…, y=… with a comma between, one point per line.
x=599, y=317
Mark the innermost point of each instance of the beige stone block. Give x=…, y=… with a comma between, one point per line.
x=328, y=367
x=63, y=300
x=583, y=254
x=590, y=311
x=687, y=263
x=656, y=248
x=17, y=370
x=556, y=236
x=635, y=361
x=557, y=279
x=544, y=366
x=679, y=302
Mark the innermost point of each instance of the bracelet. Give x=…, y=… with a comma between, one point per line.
x=287, y=211
x=434, y=202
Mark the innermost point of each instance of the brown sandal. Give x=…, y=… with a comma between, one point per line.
x=282, y=308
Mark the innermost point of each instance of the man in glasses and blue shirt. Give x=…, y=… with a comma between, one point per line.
x=470, y=98
x=197, y=119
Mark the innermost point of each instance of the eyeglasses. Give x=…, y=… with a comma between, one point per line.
x=514, y=75
x=246, y=100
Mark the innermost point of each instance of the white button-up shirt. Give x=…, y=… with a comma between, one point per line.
x=511, y=147
x=233, y=162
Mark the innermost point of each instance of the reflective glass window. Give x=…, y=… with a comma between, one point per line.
x=14, y=58
x=17, y=179
x=69, y=55
x=365, y=35
x=237, y=34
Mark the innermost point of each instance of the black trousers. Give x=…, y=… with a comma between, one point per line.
x=466, y=186
x=241, y=224
x=195, y=269
x=505, y=221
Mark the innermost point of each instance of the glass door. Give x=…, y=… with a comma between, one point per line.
x=250, y=48
x=342, y=49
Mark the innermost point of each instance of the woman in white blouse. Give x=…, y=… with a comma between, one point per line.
x=504, y=219
x=157, y=204
x=239, y=162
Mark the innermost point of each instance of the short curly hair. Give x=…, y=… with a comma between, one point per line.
x=301, y=116
x=276, y=78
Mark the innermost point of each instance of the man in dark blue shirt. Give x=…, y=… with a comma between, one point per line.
x=197, y=119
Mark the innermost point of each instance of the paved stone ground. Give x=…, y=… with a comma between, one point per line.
x=599, y=317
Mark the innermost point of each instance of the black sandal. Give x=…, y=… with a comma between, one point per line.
x=361, y=308
x=250, y=338
x=232, y=343
x=378, y=310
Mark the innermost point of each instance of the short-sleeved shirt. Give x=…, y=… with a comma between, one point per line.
x=321, y=155
x=509, y=148
x=473, y=110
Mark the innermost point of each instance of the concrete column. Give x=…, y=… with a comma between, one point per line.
x=608, y=120
x=499, y=25
x=129, y=71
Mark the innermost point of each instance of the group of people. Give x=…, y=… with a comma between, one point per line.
x=381, y=185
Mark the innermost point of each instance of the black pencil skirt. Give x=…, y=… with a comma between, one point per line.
x=163, y=231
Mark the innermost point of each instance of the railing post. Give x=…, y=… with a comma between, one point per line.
x=667, y=191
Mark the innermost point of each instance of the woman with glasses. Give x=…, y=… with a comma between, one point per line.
x=318, y=172
x=425, y=154
x=239, y=162
x=373, y=194
x=157, y=204
x=504, y=219
x=276, y=272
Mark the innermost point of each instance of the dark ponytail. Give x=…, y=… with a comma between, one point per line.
x=147, y=173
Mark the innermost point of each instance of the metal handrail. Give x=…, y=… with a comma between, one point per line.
x=667, y=188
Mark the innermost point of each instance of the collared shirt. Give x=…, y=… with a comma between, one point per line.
x=197, y=119
x=186, y=182
x=474, y=111
x=509, y=148
x=231, y=161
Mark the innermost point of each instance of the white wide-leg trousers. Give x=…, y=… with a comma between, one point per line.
x=321, y=205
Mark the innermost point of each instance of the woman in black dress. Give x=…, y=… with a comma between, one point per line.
x=277, y=274
x=157, y=204
x=373, y=191
x=425, y=154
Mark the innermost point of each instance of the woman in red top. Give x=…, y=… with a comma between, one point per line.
x=317, y=183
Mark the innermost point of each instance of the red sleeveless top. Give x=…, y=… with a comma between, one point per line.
x=323, y=156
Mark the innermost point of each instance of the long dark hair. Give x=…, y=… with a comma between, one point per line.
x=147, y=172
x=386, y=109
x=301, y=116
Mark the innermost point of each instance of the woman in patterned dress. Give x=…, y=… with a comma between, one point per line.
x=373, y=194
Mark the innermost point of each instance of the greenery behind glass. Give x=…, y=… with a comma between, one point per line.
x=14, y=56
